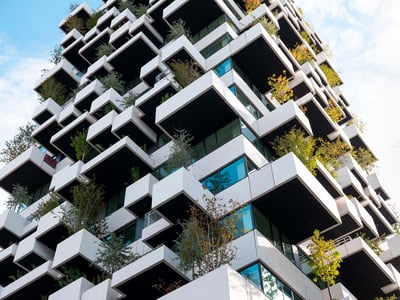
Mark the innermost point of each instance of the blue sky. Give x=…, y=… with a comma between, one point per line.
x=363, y=36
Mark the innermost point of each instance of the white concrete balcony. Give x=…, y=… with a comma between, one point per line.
x=67, y=115
x=64, y=72
x=32, y=253
x=51, y=231
x=119, y=218
x=338, y=291
x=11, y=228
x=393, y=288
x=144, y=24
x=101, y=291
x=281, y=120
x=78, y=251
x=105, y=20
x=99, y=133
x=383, y=226
x=109, y=97
x=84, y=97
x=31, y=169
x=70, y=38
x=65, y=179
x=173, y=196
x=71, y=53
x=254, y=247
x=329, y=182
x=351, y=220
x=350, y=184
x=121, y=35
x=373, y=180
x=98, y=68
x=72, y=291
x=112, y=166
x=45, y=131
x=159, y=231
x=369, y=226
x=129, y=123
x=124, y=17
x=284, y=183
x=388, y=212
x=45, y=111
x=62, y=139
x=89, y=51
x=139, y=46
x=229, y=282
x=360, y=261
x=391, y=253
x=207, y=98
x=356, y=138
x=138, y=195
x=138, y=277
x=82, y=11
x=7, y=265
x=39, y=281
x=153, y=71
x=348, y=160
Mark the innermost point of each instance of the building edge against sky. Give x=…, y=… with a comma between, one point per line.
x=216, y=83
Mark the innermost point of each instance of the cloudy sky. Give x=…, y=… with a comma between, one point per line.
x=363, y=36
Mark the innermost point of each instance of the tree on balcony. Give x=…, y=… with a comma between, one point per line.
x=21, y=142
x=181, y=152
x=53, y=89
x=18, y=198
x=137, y=9
x=185, y=71
x=85, y=213
x=104, y=49
x=83, y=151
x=301, y=53
x=331, y=76
x=45, y=207
x=113, y=254
x=334, y=111
x=55, y=54
x=74, y=22
x=324, y=260
x=113, y=80
x=178, y=28
x=364, y=158
x=280, y=87
x=269, y=26
x=204, y=244
x=329, y=153
x=251, y=5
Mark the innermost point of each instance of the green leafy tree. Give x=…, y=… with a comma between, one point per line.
x=331, y=76
x=185, y=71
x=127, y=4
x=113, y=80
x=74, y=22
x=204, y=244
x=45, y=207
x=329, y=153
x=280, y=87
x=55, y=54
x=269, y=26
x=86, y=212
x=301, y=53
x=178, y=28
x=139, y=10
x=53, y=89
x=181, y=153
x=334, y=111
x=129, y=100
x=21, y=142
x=104, y=49
x=92, y=20
x=324, y=260
x=303, y=147
x=83, y=151
x=18, y=198
x=374, y=244
x=113, y=254
x=70, y=274
x=364, y=158
x=251, y=5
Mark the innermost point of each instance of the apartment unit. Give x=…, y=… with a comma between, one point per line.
x=226, y=100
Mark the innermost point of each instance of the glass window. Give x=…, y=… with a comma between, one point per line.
x=224, y=67
x=212, y=183
x=253, y=274
x=262, y=223
x=227, y=133
x=232, y=173
x=269, y=284
x=211, y=143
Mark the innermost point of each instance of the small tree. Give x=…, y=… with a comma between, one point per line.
x=331, y=76
x=18, y=198
x=324, y=260
x=127, y=4
x=70, y=275
x=88, y=203
x=74, y=22
x=204, y=244
x=103, y=49
x=295, y=141
x=129, y=100
x=251, y=5
x=334, y=111
x=181, y=153
x=83, y=151
x=92, y=20
x=269, y=26
x=360, y=124
x=185, y=71
x=45, y=207
x=374, y=244
x=301, y=53
x=113, y=80
x=139, y=10
x=280, y=85
x=364, y=158
x=328, y=153
x=53, y=89
x=177, y=29
x=55, y=54
x=21, y=142
x=113, y=254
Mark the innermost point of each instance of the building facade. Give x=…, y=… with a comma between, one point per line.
x=236, y=75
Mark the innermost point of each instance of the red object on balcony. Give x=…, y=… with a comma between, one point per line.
x=50, y=161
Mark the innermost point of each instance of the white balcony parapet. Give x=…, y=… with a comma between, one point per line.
x=139, y=190
x=119, y=218
x=377, y=186
x=347, y=179
x=109, y=96
x=68, y=114
x=120, y=32
x=231, y=285
x=72, y=291
x=338, y=291
x=65, y=176
x=100, y=63
x=29, y=246
x=394, y=287
x=111, y=13
x=102, y=125
x=12, y=222
x=84, y=6
x=101, y=291
x=70, y=38
x=124, y=15
x=94, y=87
x=45, y=111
